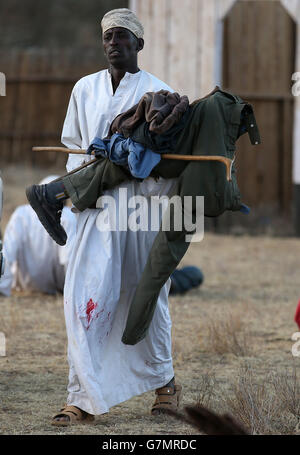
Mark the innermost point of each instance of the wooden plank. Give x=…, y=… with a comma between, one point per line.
x=270, y=158
x=30, y=136
x=236, y=70
x=197, y=76
x=263, y=96
x=258, y=166
x=199, y=50
x=40, y=79
x=226, y=61
x=247, y=158
x=269, y=39
x=159, y=39
x=9, y=65
x=287, y=157
x=17, y=114
x=145, y=16
x=248, y=24
x=208, y=29
x=134, y=6
x=183, y=74
x=167, y=45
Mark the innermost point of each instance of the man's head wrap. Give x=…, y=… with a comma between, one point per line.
x=122, y=17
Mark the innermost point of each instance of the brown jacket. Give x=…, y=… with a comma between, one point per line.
x=161, y=109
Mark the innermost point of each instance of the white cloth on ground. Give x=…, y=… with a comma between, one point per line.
x=105, y=267
x=33, y=261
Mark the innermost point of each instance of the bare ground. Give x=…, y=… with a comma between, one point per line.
x=231, y=342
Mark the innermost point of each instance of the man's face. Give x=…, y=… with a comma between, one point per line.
x=120, y=47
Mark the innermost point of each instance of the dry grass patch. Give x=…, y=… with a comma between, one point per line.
x=261, y=408
x=206, y=389
x=9, y=317
x=252, y=402
x=227, y=333
x=287, y=389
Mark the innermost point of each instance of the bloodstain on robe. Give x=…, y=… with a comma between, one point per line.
x=90, y=307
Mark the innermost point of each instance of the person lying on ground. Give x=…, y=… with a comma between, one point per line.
x=34, y=261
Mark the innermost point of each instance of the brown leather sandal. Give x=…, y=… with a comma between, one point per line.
x=75, y=415
x=167, y=398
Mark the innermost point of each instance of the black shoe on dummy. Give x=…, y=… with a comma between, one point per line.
x=49, y=213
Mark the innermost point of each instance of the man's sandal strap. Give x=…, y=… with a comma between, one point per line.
x=74, y=414
x=167, y=398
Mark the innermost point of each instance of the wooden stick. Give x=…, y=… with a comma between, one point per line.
x=58, y=149
x=165, y=156
x=222, y=159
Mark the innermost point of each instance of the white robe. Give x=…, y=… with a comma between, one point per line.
x=33, y=261
x=105, y=267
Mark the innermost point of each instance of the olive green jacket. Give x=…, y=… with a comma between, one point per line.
x=212, y=129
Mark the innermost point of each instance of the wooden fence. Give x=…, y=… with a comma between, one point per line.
x=259, y=59
x=38, y=86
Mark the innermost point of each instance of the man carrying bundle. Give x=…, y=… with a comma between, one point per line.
x=105, y=266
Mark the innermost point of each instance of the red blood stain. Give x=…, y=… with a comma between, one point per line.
x=90, y=307
x=98, y=314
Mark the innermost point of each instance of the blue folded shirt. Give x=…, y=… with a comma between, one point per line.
x=125, y=152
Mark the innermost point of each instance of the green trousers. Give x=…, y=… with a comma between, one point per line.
x=88, y=184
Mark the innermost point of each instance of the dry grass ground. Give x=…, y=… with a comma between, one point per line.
x=231, y=342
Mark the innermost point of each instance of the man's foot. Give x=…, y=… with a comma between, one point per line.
x=49, y=213
x=167, y=397
x=70, y=415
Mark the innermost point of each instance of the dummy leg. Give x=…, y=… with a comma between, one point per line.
x=87, y=185
x=83, y=188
